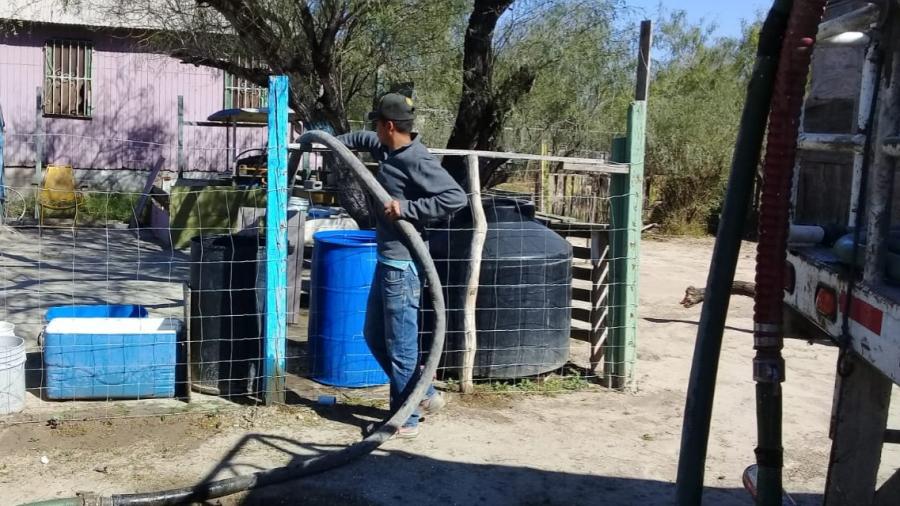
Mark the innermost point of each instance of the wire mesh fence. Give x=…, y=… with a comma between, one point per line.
x=154, y=299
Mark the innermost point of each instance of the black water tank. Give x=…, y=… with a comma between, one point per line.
x=523, y=311
x=226, y=344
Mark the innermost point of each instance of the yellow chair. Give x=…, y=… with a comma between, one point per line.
x=58, y=193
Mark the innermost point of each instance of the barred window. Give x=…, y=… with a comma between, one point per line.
x=241, y=93
x=67, y=78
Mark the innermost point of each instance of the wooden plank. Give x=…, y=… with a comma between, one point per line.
x=592, y=191
x=581, y=294
x=596, y=165
x=544, y=179
x=581, y=314
x=276, y=241
x=145, y=195
x=582, y=272
x=578, y=198
x=566, y=230
x=599, y=298
x=560, y=194
x=580, y=334
x=642, y=82
x=859, y=418
x=892, y=436
x=581, y=253
x=598, y=348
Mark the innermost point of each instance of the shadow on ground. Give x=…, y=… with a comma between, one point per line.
x=392, y=476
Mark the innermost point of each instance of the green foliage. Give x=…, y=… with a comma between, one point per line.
x=585, y=62
x=544, y=385
x=97, y=207
x=109, y=207
x=696, y=97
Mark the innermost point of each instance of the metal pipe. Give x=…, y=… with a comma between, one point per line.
x=867, y=88
x=831, y=142
x=701, y=387
x=806, y=234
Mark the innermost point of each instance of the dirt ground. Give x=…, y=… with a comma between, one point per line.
x=589, y=447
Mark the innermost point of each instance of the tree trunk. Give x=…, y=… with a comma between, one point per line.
x=482, y=105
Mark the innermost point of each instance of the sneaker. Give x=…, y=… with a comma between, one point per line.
x=433, y=404
x=407, y=432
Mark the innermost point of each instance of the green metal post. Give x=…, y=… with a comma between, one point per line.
x=627, y=194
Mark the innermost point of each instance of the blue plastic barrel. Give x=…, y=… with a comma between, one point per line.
x=343, y=266
x=96, y=311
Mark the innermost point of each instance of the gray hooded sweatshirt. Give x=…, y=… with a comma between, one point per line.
x=413, y=176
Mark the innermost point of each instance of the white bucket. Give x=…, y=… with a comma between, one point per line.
x=7, y=329
x=12, y=374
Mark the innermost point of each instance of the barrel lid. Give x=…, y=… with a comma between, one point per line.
x=346, y=238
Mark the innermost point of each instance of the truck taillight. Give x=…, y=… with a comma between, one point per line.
x=790, y=277
x=826, y=302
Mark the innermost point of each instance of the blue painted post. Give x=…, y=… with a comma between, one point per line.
x=276, y=240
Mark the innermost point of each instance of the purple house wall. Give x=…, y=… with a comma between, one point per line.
x=134, y=111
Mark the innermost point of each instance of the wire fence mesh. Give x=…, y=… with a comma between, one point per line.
x=178, y=270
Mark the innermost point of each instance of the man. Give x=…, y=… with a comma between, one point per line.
x=422, y=191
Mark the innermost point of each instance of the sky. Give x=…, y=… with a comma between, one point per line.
x=726, y=14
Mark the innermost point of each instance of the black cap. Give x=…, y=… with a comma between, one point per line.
x=394, y=106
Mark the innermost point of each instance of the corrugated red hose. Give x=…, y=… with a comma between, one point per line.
x=771, y=252
x=781, y=150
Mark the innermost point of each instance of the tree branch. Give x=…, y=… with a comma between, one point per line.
x=258, y=76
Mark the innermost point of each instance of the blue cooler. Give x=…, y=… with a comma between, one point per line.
x=110, y=358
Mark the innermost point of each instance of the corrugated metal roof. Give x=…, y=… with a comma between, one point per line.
x=98, y=13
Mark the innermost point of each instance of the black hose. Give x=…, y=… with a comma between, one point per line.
x=702, y=382
x=328, y=461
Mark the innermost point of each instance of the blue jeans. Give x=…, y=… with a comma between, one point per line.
x=392, y=330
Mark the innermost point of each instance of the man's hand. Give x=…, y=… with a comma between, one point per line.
x=392, y=210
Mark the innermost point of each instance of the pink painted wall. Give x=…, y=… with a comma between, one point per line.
x=135, y=97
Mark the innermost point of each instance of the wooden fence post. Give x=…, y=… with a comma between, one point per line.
x=276, y=241
x=545, y=179
x=479, y=234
